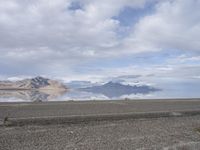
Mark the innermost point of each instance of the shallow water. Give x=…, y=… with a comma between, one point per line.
x=168, y=90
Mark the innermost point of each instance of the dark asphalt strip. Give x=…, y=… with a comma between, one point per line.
x=93, y=118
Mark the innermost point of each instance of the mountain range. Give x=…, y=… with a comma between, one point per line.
x=37, y=83
x=43, y=89
x=30, y=95
x=112, y=89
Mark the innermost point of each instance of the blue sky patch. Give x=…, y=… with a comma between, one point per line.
x=75, y=6
x=128, y=16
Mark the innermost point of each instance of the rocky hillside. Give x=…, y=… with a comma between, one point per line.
x=29, y=95
x=34, y=83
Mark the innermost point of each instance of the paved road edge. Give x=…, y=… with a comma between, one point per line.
x=93, y=118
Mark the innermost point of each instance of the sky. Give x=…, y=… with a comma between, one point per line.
x=97, y=39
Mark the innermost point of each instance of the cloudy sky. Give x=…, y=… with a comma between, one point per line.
x=92, y=39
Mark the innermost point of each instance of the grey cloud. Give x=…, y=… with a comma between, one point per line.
x=48, y=34
x=52, y=38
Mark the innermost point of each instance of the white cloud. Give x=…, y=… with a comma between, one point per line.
x=174, y=25
x=47, y=37
x=184, y=58
x=49, y=23
x=46, y=34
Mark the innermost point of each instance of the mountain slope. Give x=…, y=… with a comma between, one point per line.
x=34, y=83
x=112, y=89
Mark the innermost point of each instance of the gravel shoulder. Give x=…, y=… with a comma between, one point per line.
x=142, y=134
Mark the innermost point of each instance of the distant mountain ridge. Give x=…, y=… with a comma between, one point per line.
x=112, y=89
x=34, y=83
x=31, y=95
